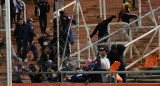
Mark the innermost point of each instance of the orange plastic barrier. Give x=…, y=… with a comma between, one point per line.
x=150, y=62
x=83, y=84
x=114, y=67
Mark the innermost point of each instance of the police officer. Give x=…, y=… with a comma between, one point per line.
x=28, y=35
x=43, y=8
x=65, y=21
x=18, y=34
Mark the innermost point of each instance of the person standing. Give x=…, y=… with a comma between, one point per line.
x=18, y=34
x=28, y=36
x=102, y=29
x=116, y=54
x=43, y=8
x=102, y=63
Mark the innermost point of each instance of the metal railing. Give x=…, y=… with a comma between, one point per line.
x=94, y=72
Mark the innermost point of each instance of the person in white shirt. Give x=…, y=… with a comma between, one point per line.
x=102, y=64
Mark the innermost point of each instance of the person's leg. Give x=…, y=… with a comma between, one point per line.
x=35, y=2
x=35, y=51
x=133, y=16
x=26, y=49
x=124, y=1
x=133, y=5
x=45, y=22
x=19, y=45
x=123, y=76
x=41, y=23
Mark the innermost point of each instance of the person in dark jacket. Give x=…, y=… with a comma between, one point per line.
x=116, y=54
x=65, y=21
x=18, y=34
x=35, y=78
x=102, y=29
x=43, y=8
x=28, y=35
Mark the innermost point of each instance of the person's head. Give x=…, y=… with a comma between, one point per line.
x=20, y=21
x=47, y=49
x=30, y=20
x=102, y=51
x=114, y=48
x=18, y=61
x=61, y=12
x=40, y=63
x=99, y=19
x=32, y=67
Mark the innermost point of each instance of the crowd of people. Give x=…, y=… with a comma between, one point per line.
x=47, y=61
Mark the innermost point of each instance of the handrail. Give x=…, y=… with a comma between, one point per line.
x=64, y=8
x=142, y=36
x=92, y=72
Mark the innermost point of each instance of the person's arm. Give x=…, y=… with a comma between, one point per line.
x=95, y=31
x=36, y=10
x=98, y=67
x=32, y=31
x=40, y=40
x=74, y=21
x=109, y=19
x=119, y=17
x=15, y=31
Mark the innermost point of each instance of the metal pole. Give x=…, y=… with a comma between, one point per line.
x=100, y=7
x=8, y=44
x=77, y=29
x=142, y=36
x=104, y=9
x=58, y=54
x=140, y=13
x=88, y=37
x=130, y=65
x=152, y=13
x=0, y=17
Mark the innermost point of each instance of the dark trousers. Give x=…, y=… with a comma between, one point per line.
x=126, y=17
x=35, y=2
x=124, y=1
x=133, y=3
x=27, y=47
x=123, y=76
x=12, y=18
x=43, y=23
x=19, y=46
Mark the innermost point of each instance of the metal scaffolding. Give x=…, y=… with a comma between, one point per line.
x=90, y=44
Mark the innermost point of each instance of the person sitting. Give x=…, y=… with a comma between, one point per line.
x=35, y=78
x=17, y=69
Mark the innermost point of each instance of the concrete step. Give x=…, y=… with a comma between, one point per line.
x=143, y=81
